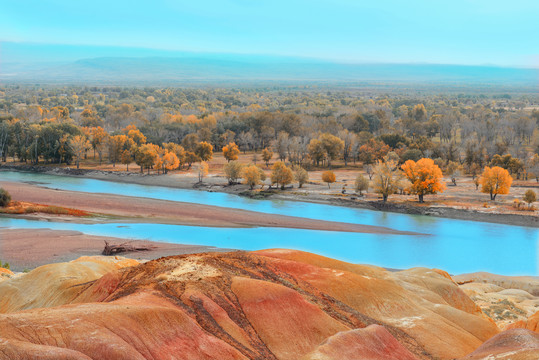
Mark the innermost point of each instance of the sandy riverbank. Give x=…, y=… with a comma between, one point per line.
x=29, y=248
x=116, y=208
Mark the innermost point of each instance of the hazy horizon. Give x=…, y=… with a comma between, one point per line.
x=463, y=32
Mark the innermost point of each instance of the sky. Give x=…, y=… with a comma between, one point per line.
x=469, y=32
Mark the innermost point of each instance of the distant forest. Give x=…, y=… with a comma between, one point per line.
x=304, y=125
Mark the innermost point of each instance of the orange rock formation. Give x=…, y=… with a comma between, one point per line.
x=272, y=304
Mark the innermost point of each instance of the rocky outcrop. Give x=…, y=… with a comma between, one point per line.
x=507, y=300
x=272, y=304
x=532, y=323
x=516, y=344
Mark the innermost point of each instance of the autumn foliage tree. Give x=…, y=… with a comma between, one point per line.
x=386, y=178
x=301, y=175
x=204, y=150
x=494, y=181
x=116, y=145
x=233, y=171
x=361, y=184
x=328, y=177
x=202, y=169
x=252, y=175
x=126, y=158
x=79, y=145
x=231, y=151
x=267, y=154
x=425, y=177
x=170, y=161
x=281, y=174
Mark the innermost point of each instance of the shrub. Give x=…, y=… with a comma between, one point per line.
x=361, y=184
x=233, y=171
x=301, y=175
x=328, y=177
x=5, y=198
x=530, y=197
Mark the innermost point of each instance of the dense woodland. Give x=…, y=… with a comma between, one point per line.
x=163, y=129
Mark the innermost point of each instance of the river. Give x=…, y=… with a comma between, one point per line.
x=456, y=246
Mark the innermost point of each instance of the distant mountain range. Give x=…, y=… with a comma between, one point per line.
x=100, y=65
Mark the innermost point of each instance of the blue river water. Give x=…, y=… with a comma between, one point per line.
x=456, y=246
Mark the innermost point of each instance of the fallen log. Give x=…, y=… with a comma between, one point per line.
x=124, y=247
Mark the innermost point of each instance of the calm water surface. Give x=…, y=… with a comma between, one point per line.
x=454, y=245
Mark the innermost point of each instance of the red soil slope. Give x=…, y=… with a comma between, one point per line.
x=273, y=304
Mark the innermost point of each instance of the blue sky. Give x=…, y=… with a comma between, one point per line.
x=393, y=31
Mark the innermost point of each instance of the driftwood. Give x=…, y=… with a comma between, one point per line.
x=124, y=247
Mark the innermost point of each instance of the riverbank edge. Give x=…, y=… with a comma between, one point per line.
x=242, y=190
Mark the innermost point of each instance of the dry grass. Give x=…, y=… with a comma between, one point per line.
x=18, y=207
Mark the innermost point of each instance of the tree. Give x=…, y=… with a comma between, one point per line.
x=494, y=181
x=316, y=151
x=530, y=197
x=146, y=156
x=361, y=184
x=453, y=171
x=178, y=150
x=137, y=136
x=369, y=169
x=231, y=151
x=116, y=145
x=425, y=177
x=267, y=154
x=79, y=145
x=5, y=197
x=190, y=158
x=373, y=150
x=386, y=178
x=281, y=174
x=204, y=151
x=126, y=158
x=332, y=145
x=300, y=175
x=98, y=140
x=170, y=161
x=233, y=171
x=328, y=177
x=251, y=175
x=202, y=170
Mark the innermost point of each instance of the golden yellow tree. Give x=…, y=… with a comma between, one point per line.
x=328, y=177
x=231, y=151
x=170, y=161
x=202, y=170
x=251, y=175
x=281, y=174
x=126, y=158
x=494, y=181
x=267, y=154
x=425, y=177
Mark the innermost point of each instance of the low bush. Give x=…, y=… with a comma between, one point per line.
x=5, y=198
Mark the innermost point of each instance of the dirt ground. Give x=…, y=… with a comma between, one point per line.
x=29, y=248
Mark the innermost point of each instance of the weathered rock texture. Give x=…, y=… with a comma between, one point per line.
x=508, y=300
x=55, y=284
x=516, y=344
x=272, y=304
